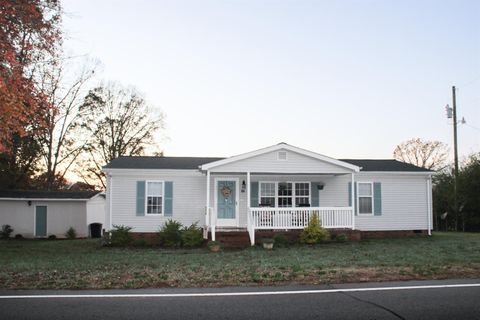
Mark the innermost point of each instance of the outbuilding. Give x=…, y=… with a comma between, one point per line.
x=40, y=214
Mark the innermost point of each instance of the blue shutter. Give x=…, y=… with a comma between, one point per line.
x=140, y=198
x=314, y=195
x=168, y=199
x=377, y=199
x=354, y=196
x=253, y=194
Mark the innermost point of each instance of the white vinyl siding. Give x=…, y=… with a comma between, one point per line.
x=188, y=198
x=269, y=163
x=404, y=197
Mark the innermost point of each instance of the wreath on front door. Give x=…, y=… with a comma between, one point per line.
x=226, y=191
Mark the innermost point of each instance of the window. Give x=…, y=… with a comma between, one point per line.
x=302, y=194
x=282, y=155
x=154, y=197
x=365, y=198
x=285, y=194
x=267, y=194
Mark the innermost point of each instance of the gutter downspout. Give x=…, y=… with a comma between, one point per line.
x=110, y=178
x=429, y=205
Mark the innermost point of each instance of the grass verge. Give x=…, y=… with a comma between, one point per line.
x=83, y=264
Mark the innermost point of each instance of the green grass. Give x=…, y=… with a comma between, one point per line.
x=28, y=264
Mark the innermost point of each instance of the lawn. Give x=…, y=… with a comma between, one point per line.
x=82, y=264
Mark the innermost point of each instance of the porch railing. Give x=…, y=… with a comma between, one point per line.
x=297, y=218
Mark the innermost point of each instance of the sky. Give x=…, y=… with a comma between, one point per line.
x=347, y=79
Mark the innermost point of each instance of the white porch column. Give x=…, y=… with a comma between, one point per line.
x=353, y=201
x=248, y=190
x=208, y=219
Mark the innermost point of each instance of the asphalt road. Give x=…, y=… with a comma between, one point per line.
x=392, y=300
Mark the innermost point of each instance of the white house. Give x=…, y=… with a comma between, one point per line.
x=40, y=214
x=275, y=188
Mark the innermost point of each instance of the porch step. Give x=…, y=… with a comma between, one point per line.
x=232, y=239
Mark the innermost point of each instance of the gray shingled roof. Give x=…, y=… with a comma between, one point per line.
x=34, y=194
x=195, y=162
x=384, y=165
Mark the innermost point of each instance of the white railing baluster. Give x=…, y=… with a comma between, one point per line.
x=298, y=218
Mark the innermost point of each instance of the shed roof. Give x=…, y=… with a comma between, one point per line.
x=37, y=194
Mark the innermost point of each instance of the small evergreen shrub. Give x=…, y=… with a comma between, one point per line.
x=6, y=231
x=314, y=232
x=120, y=236
x=192, y=236
x=18, y=236
x=71, y=233
x=341, y=238
x=280, y=240
x=171, y=234
x=52, y=237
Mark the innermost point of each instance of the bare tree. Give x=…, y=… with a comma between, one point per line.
x=64, y=92
x=119, y=122
x=422, y=153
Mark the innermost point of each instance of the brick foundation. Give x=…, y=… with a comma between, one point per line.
x=151, y=238
x=241, y=239
x=393, y=234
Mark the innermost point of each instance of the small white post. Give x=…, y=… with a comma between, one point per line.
x=353, y=201
x=429, y=205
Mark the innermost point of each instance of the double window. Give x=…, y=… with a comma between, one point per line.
x=284, y=194
x=154, y=197
x=365, y=198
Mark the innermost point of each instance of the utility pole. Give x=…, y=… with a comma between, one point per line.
x=455, y=150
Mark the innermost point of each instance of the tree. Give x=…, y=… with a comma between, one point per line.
x=468, y=217
x=118, y=122
x=422, y=153
x=60, y=144
x=29, y=32
x=18, y=166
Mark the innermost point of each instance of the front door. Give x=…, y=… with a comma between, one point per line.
x=40, y=221
x=227, y=203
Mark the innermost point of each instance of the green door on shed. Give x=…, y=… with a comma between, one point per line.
x=226, y=194
x=41, y=221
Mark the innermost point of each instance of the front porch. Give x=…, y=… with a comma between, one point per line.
x=285, y=219
x=278, y=188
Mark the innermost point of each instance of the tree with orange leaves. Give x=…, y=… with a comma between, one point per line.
x=29, y=35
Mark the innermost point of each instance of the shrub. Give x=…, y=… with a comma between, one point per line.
x=71, y=233
x=280, y=240
x=52, y=237
x=120, y=236
x=192, y=236
x=6, y=231
x=341, y=238
x=171, y=234
x=314, y=232
x=18, y=236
